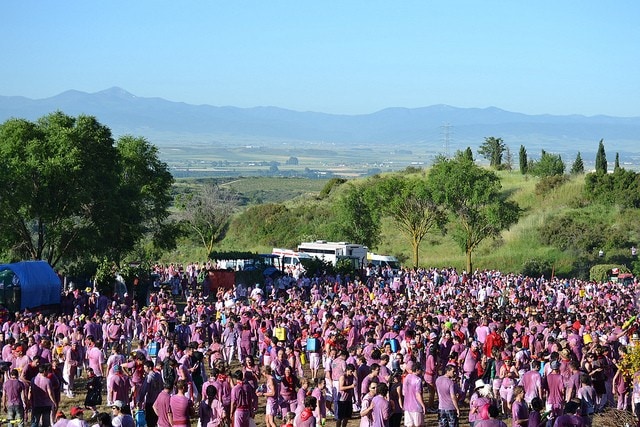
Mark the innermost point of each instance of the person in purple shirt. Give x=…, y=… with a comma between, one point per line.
x=381, y=407
x=162, y=407
x=448, y=410
x=14, y=397
x=244, y=401
x=412, y=403
x=42, y=398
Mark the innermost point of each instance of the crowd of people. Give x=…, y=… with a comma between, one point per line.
x=384, y=350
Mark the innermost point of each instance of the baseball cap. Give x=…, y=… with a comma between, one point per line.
x=118, y=404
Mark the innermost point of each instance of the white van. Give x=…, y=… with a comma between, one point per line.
x=383, y=261
x=289, y=258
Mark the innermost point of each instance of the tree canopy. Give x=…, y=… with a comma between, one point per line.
x=472, y=196
x=69, y=191
x=492, y=149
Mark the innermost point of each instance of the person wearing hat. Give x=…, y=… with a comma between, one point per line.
x=479, y=401
x=555, y=388
x=77, y=418
x=119, y=386
x=62, y=421
x=121, y=415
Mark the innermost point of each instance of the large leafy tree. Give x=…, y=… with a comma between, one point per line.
x=355, y=218
x=65, y=190
x=207, y=212
x=492, y=149
x=474, y=199
x=409, y=202
x=548, y=165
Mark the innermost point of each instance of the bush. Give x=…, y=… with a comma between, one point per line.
x=602, y=272
x=536, y=267
x=549, y=183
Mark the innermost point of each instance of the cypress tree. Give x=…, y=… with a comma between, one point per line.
x=523, y=160
x=578, y=165
x=616, y=166
x=601, y=159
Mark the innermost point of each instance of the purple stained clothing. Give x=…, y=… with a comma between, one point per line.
x=13, y=389
x=519, y=411
x=445, y=388
x=475, y=406
x=96, y=360
x=411, y=388
x=381, y=412
x=555, y=387
x=346, y=395
x=321, y=409
x=162, y=408
x=41, y=390
x=180, y=408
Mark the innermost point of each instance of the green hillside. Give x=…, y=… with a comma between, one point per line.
x=296, y=210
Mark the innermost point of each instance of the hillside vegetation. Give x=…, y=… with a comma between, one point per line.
x=561, y=228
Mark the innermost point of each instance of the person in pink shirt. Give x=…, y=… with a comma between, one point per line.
x=381, y=407
x=162, y=406
x=413, y=404
x=94, y=356
x=182, y=408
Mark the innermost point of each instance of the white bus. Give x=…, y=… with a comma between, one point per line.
x=383, y=261
x=334, y=251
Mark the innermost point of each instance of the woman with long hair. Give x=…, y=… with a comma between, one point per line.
x=211, y=412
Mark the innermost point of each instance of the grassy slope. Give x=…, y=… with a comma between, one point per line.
x=508, y=253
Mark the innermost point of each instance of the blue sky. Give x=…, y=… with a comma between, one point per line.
x=345, y=57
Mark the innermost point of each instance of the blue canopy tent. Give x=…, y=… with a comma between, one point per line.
x=32, y=284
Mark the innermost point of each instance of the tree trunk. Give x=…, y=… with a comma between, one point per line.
x=469, y=266
x=416, y=248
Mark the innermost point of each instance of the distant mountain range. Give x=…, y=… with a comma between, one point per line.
x=167, y=122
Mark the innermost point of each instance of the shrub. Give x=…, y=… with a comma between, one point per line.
x=549, y=183
x=536, y=267
x=601, y=272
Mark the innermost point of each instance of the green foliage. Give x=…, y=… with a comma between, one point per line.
x=549, y=183
x=206, y=213
x=356, y=219
x=68, y=191
x=472, y=195
x=330, y=186
x=524, y=165
x=601, y=159
x=317, y=266
x=492, y=149
x=409, y=202
x=616, y=165
x=578, y=165
x=548, y=165
x=622, y=188
x=537, y=267
x=410, y=170
x=602, y=272
x=467, y=155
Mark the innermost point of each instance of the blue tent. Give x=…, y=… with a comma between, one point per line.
x=39, y=284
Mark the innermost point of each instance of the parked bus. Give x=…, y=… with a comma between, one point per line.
x=383, y=261
x=334, y=251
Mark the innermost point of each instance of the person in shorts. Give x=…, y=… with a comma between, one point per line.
x=346, y=391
